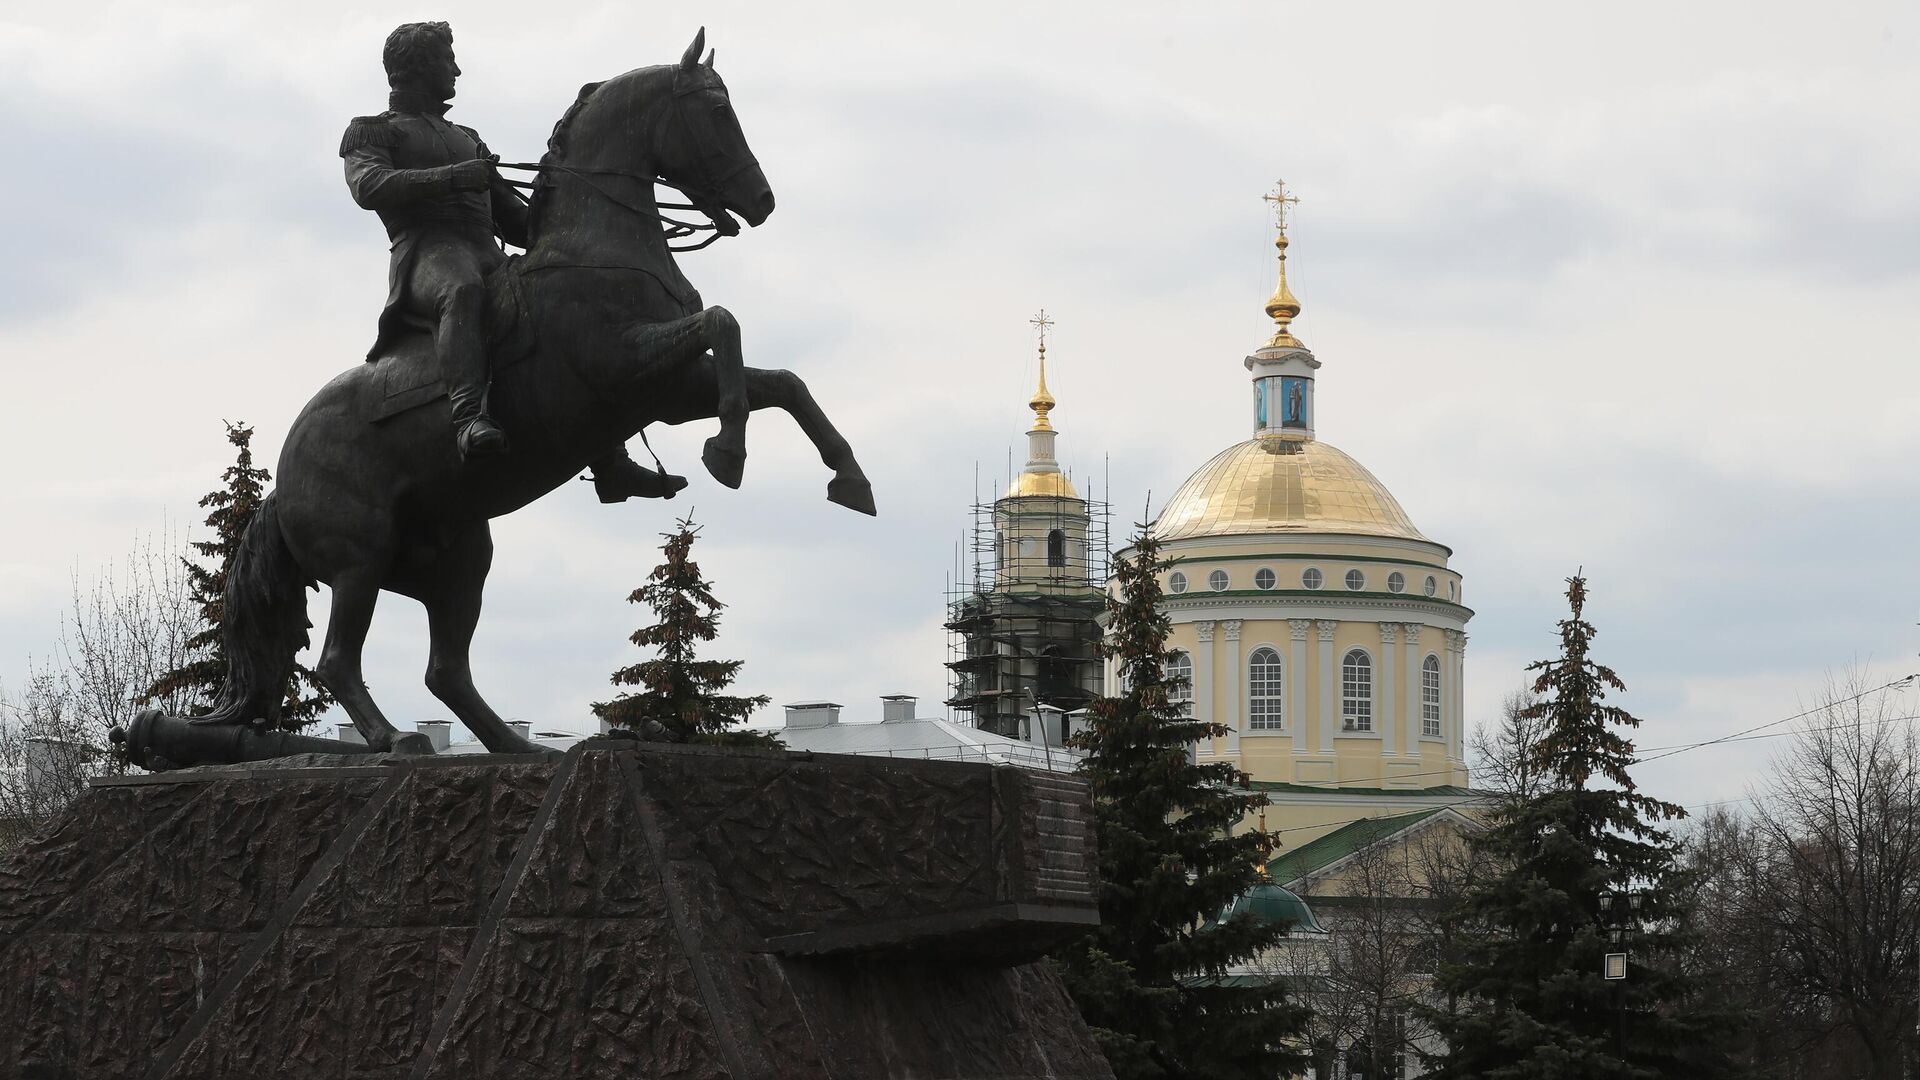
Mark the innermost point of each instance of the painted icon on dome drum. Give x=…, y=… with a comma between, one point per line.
x=1260, y=403
x=1293, y=402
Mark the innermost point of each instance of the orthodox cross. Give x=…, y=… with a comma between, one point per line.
x=1042, y=322
x=1280, y=199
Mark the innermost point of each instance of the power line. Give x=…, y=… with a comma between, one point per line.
x=1672, y=750
x=1662, y=752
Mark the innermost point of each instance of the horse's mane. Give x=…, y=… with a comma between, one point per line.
x=556, y=154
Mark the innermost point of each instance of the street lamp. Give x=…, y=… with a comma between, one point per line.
x=1614, y=965
x=1620, y=915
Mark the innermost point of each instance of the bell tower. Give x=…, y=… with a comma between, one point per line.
x=1024, y=628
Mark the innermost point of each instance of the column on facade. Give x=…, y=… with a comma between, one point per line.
x=1203, y=671
x=1456, y=750
x=1329, y=678
x=1416, y=689
x=1234, y=713
x=1387, y=673
x=1296, y=679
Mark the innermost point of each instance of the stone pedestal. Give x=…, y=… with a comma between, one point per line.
x=626, y=911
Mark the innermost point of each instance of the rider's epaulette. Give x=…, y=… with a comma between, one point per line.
x=369, y=131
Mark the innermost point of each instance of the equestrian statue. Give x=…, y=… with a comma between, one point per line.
x=493, y=380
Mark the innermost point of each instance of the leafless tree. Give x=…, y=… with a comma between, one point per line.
x=1813, y=901
x=126, y=626
x=1504, y=763
x=1389, y=913
x=45, y=756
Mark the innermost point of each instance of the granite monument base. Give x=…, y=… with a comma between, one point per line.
x=629, y=910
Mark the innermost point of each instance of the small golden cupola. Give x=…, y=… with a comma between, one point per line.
x=1283, y=405
x=1041, y=475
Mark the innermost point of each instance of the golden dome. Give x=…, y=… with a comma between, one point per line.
x=1053, y=484
x=1283, y=486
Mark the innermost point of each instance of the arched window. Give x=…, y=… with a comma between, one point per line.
x=1056, y=548
x=1356, y=692
x=1430, y=696
x=1263, y=690
x=1180, y=673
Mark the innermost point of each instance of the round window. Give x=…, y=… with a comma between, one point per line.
x=1311, y=577
x=1217, y=581
x=1263, y=578
x=1396, y=582
x=1431, y=585
x=1356, y=580
x=1176, y=582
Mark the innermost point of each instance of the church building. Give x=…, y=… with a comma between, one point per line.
x=1316, y=622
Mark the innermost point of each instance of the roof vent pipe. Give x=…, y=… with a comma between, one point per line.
x=440, y=732
x=813, y=714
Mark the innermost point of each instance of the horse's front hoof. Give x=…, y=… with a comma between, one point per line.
x=724, y=463
x=854, y=494
x=410, y=742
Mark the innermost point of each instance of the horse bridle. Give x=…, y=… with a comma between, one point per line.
x=720, y=223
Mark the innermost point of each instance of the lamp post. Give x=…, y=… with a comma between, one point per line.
x=1620, y=915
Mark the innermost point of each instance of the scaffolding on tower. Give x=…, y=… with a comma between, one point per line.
x=1023, y=609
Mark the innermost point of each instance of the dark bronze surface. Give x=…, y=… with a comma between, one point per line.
x=591, y=335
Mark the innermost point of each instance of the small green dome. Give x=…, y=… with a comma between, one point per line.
x=1270, y=902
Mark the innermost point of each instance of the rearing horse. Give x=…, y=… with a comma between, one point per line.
x=610, y=338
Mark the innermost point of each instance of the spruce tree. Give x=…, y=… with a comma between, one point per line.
x=679, y=699
x=1532, y=1002
x=1169, y=866
x=230, y=509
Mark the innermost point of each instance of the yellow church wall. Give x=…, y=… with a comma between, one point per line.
x=1295, y=754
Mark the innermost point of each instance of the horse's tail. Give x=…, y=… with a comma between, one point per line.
x=265, y=623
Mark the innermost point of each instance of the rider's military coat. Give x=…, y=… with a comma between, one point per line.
x=397, y=166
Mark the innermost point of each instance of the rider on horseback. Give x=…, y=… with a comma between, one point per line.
x=434, y=186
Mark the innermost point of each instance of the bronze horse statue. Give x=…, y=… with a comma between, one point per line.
x=594, y=335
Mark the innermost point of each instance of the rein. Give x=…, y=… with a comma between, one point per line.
x=675, y=227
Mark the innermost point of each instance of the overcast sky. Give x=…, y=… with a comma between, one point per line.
x=1632, y=287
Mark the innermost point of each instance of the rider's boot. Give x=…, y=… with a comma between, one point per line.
x=463, y=366
x=617, y=478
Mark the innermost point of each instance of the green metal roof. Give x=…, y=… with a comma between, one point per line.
x=1275, y=904
x=1340, y=843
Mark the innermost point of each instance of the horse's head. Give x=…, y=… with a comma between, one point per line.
x=673, y=123
x=701, y=150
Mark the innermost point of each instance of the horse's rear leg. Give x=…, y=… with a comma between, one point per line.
x=453, y=610
x=354, y=595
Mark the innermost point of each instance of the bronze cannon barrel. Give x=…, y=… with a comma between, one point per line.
x=160, y=742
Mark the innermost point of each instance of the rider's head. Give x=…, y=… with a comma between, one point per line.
x=419, y=58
